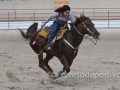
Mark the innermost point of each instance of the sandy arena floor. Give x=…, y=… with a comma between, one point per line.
x=97, y=67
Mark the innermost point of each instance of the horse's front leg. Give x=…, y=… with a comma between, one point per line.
x=65, y=63
x=66, y=67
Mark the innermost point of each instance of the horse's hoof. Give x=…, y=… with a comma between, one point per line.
x=53, y=77
x=62, y=73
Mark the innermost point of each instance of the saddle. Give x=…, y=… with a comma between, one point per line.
x=45, y=32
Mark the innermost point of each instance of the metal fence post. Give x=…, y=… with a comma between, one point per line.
x=108, y=19
x=93, y=13
x=15, y=14
x=8, y=21
x=34, y=17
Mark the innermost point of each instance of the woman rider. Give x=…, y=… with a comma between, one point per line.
x=61, y=16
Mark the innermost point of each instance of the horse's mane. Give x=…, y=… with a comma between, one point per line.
x=80, y=19
x=77, y=20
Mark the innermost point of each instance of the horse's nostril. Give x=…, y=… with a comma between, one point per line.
x=95, y=35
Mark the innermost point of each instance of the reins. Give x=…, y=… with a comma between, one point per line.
x=81, y=35
x=84, y=35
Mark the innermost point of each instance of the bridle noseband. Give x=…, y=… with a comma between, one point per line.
x=85, y=26
x=90, y=31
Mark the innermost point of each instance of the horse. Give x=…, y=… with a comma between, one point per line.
x=65, y=49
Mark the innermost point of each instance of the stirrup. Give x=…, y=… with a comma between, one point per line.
x=48, y=47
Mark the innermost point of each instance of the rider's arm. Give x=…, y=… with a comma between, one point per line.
x=54, y=15
x=71, y=18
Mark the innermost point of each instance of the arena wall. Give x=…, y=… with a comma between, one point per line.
x=50, y=4
x=94, y=3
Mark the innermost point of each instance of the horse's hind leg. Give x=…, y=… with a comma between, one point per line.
x=42, y=64
x=46, y=60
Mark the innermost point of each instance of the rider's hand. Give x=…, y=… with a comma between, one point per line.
x=72, y=25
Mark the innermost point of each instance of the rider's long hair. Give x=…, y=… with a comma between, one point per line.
x=63, y=8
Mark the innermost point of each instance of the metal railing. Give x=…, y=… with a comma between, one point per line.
x=22, y=15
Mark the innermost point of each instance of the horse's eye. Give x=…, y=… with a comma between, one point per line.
x=89, y=20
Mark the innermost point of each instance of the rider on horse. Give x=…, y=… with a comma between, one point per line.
x=61, y=15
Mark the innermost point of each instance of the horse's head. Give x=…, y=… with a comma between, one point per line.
x=85, y=24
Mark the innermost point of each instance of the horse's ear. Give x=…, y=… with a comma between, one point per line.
x=82, y=15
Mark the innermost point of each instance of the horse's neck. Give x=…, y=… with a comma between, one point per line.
x=76, y=34
x=74, y=38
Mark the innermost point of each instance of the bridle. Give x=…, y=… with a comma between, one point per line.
x=75, y=48
x=90, y=31
x=86, y=26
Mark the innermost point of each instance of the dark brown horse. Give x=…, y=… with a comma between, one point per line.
x=64, y=49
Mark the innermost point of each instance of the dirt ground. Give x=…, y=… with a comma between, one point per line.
x=96, y=67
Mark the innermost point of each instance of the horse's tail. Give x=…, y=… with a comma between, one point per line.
x=30, y=31
x=23, y=33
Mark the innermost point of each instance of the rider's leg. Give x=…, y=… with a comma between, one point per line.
x=55, y=27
